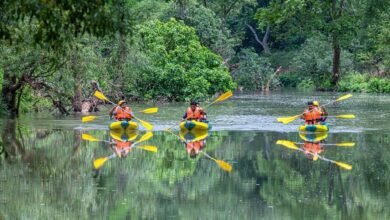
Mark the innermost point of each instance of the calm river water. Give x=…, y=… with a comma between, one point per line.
x=46, y=168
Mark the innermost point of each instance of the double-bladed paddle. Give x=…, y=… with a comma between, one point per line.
x=99, y=162
x=220, y=98
x=293, y=146
x=222, y=164
x=286, y=120
x=101, y=96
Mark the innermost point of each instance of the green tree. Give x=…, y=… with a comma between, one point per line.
x=335, y=19
x=56, y=22
x=255, y=72
x=178, y=66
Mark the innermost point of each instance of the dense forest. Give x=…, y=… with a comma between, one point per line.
x=55, y=51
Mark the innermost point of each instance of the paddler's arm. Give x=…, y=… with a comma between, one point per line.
x=111, y=113
x=184, y=117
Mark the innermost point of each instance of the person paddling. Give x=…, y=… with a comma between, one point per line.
x=193, y=148
x=194, y=112
x=122, y=149
x=312, y=149
x=311, y=115
x=324, y=113
x=122, y=112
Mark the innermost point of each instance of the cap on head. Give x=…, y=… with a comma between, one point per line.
x=316, y=103
x=194, y=102
x=309, y=103
x=121, y=102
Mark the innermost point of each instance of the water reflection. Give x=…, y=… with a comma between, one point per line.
x=313, y=145
x=46, y=170
x=194, y=141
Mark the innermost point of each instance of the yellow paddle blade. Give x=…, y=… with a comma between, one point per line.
x=88, y=137
x=288, y=119
x=149, y=148
x=224, y=165
x=223, y=97
x=100, y=96
x=344, y=165
x=288, y=144
x=347, y=144
x=345, y=116
x=99, y=162
x=344, y=97
x=315, y=157
x=146, y=124
x=150, y=111
x=145, y=137
x=88, y=118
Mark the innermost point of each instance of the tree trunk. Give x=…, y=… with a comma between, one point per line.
x=263, y=43
x=76, y=102
x=336, y=61
x=9, y=94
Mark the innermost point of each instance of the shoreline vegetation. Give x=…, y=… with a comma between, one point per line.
x=183, y=50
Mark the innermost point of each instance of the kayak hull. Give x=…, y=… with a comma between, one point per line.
x=124, y=135
x=191, y=136
x=195, y=126
x=125, y=125
x=314, y=128
x=313, y=137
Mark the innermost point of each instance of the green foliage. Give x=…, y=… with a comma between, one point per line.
x=290, y=79
x=306, y=84
x=372, y=49
x=211, y=30
x=57, y=22
x=31, y=102
x=354, y=82
x=315, y=57
x=357, y=82
x=254, y=71
x=178, y=66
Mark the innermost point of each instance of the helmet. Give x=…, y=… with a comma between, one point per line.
x=121, y=102
x=194, y=103
x=310, y=103
x=316, y=103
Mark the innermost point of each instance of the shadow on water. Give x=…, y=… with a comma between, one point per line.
x=46, y=172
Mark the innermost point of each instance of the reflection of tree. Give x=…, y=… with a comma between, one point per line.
x=278, y=184
x=12, y=145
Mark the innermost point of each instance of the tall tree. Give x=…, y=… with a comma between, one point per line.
x=336, y=19
x=49, y=25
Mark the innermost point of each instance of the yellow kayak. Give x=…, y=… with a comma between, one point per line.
x=313, y=137
x=195, y=125
x=193, y=135
x=125, y=125
x=124, y=135
x=314, y=128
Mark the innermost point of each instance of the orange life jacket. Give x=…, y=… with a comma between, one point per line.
x=312, y=117
x=196, y=145
x=193, y=114
x=123, y=113
x=313, y=147
x=120, y=145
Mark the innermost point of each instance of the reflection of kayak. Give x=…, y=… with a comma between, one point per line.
x=193, y=135
x=126, y=125
x=313, y=137
x=124, y=135
x=195, y=125
x=314, y=128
